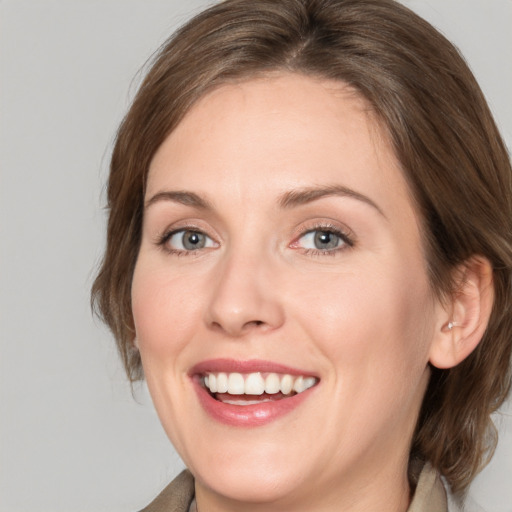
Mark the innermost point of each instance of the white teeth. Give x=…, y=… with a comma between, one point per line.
x=309, y=382
x=298, y=385
x=272, y=384
x=303, y=383
x=222, y=383
x=234, y=401
x=256, y=384
x=236, y=384
x=212, y=383
x=286, y=384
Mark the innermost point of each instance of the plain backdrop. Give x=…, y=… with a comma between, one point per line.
x=72, y=437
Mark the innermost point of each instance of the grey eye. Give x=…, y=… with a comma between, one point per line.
x=186, y=240
x=192, y=240
x=321, y=240
x=326, y=240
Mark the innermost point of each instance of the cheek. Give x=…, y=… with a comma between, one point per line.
x=166, y=310
x=376, y=319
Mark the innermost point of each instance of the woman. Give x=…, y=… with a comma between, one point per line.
x=309, y=258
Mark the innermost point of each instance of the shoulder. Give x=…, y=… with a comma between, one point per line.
x=176, y=497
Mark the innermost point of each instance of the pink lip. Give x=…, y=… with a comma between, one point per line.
x=246, y=415
x=253, y=365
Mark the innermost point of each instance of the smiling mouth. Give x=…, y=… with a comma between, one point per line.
x=254, y=388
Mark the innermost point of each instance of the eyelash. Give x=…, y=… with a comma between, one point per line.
x=345, y=237
x=167, y=235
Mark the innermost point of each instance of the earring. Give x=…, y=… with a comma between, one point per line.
x=451, y=324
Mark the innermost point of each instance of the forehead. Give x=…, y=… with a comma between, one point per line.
x=265, y=135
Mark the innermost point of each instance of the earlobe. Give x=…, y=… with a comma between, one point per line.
x=466, y=314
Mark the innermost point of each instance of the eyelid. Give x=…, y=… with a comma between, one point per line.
x=172, y=234
x=165, y=235
x=323, y=225
x=344, y=232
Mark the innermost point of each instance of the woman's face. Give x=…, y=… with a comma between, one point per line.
x=279, y=242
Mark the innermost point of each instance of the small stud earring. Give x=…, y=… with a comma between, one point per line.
x=452, y=324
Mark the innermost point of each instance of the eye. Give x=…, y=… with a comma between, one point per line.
x=187, y=240
x=323, y=240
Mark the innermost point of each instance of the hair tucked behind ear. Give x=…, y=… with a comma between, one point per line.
x=442, y=132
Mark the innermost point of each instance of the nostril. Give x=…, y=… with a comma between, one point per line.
x=254, y=323
x=238, y=329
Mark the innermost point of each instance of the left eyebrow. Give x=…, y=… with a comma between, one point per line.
x=182, y=197
x=306, y=195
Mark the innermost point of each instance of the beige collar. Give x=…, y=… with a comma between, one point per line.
x=430, y=495
x=178, y=496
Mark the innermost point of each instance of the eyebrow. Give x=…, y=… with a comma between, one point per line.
x=306, y=195
x=290, y=199
x=181, y=197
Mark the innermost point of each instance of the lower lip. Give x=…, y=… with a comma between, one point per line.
x=248, y=415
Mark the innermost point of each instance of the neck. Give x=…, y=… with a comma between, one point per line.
x=386, y=490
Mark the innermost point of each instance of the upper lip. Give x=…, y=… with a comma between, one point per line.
x=249, y=366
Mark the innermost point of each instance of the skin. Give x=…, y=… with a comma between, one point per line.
x=362, y=317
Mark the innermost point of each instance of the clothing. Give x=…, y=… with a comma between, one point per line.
x=429, y=496
x=176, y=497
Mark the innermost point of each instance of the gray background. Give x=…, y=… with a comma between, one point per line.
x=72, y=438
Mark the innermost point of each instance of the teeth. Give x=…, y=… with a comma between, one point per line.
x=212, y=383
x=298, y=385
x=234, y=401
x=222, y=383
x=256, y=384
x=236, y=384
x=272, y=384
x=309, y=382
x=286, y=384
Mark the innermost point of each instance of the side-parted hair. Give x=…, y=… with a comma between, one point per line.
x=443, y=135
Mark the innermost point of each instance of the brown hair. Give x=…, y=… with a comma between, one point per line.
x=443, y=134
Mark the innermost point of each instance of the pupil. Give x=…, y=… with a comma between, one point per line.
x=326, y=240
x=193, y=240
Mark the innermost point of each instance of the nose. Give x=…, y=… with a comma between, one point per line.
x=243, y=297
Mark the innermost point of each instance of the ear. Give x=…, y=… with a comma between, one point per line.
x=465, y=315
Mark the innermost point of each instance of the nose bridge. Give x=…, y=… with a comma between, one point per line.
x=243, y=297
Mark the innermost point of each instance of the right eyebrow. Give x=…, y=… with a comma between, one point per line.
x=181, y=197
x=309, y=194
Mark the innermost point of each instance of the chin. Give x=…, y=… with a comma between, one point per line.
x=249, y=484
x=254, y=468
